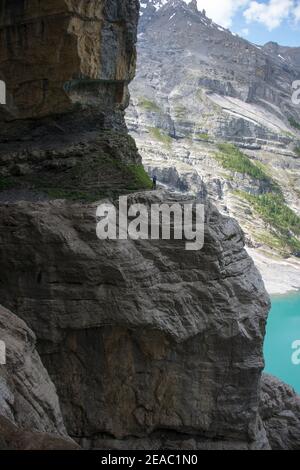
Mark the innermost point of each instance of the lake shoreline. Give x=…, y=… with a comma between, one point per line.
x=281, y=277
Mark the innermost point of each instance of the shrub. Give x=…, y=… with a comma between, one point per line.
x=294, y=123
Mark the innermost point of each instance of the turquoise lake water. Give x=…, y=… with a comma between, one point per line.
x=283, y=331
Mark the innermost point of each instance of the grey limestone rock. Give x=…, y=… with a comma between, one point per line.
x=280, y=411
x=143, y=336
x=29, y=406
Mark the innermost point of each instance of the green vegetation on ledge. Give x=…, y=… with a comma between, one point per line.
x=126, y=178
x=297, y=151
x=108, y=168
x=202, y=136
x=157, y=134
x=231, y=158
x=294, y=123
x=149, y=105
x=140, y=179
x=275, y=212
x=273, y=241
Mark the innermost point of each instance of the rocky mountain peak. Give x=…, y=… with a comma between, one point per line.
x=225, y=63
x=193, y=5
x=271, y=47
x=158, y=4
x=272, y=44
x=288, y=55
x=179, y=24
x=170, y=11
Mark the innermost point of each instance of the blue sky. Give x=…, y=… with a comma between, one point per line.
x=259, y=21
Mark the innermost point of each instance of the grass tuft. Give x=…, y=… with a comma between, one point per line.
x=294, y=123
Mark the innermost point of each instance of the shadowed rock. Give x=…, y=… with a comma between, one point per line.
x=30, y=416
x=147, y=336
x=280, y=411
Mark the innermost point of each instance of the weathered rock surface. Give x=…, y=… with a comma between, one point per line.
x=14, y=438
x=289, y=54
x=143, y=336
x=280, y=411
x=29, y=407
x=91, y=63
x=67, y=65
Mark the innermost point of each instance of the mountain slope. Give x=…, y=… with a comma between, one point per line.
x=198, y=86
x=190, y=53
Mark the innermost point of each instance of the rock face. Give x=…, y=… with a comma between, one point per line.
x=29, y=406
x=162, y=339
x=67, y=65
x=90, y=64
x=280, y=410
x=289, y=54
x=13, y=438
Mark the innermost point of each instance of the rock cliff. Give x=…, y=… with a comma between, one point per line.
x=280, y=410
x=162, y=339
x=67, y=65
x=90, y=64
x=148, y=345
x=30, y=415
